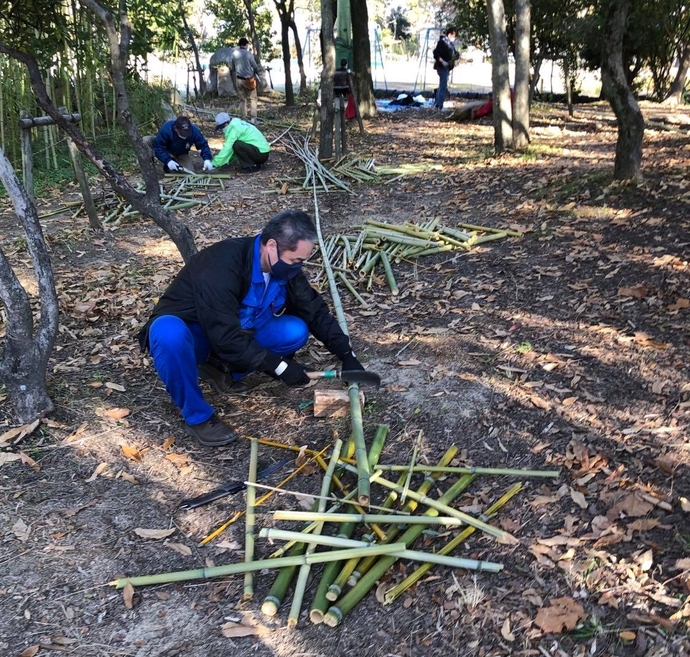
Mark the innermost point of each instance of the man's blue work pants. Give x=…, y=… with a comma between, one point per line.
x=443, y=74
x=177, y=347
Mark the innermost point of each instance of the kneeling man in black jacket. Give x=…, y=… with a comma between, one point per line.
x=245, y=303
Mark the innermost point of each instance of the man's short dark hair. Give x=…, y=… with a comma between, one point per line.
x=451, y=28
x=343, y=63
x=288, y=228
x=243, y=42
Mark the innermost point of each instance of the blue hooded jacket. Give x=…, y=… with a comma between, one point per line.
x=167, y=144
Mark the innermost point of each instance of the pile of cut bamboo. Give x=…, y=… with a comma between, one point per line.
x=354, y=258
x=177, y=192
x=359, y=547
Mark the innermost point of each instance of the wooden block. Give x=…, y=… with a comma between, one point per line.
x=333, y=403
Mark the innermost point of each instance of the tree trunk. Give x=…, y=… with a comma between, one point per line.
x=147, y=204
x=500, y=79
x=195, y=50
x=283, y=14
x=536, y=77
x=327, y=73
x=675, y=93
x=623, y=103
x=522, y=88
x=24, y=360
x=300, y=59
x=252, y=31
x=361, y=58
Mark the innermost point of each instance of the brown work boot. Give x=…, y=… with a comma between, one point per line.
x=212, y=433
x=221, y=382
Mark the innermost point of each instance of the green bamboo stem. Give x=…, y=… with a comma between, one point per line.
x=408, y=477
x=303, y=575
x=367, y=518
x=457, y=234
x=485, y=229
x=242, y=567
x=370, y=264
x=469, y=470
x=501, y=535
x=437, y=249
x=336, y=613
x=412, y=555
x=410, y=506
x=388, y=271
x=377, y=445
x=250, y=521
x=419, y=572
x=278, y=590
x=489, y=238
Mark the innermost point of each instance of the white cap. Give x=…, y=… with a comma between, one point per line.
x=221, y=119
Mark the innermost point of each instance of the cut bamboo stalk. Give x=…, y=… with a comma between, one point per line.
x=486, y=229
x=250, y=521
x=303, y=516
x=365, y=564
x=336, y=613
x=502, y=536
x=303, y=575
x=352, y=290
x=419, y=572
x=242, y=567
x=516, y=472
x=412, y=555
x=388, y=271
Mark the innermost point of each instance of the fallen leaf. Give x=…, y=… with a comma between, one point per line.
x=116, y=413
x=682, y=564
x=645, y=560
x=409, y=363
x=561, y=615
x=680, y=303
x=540, y=403
x=115, y=386
x=8, y=457
x=505, y=631
x=381, y=592
x=627, y=635
x=180, y=548
x=21, y=530
x=630, y=505
x=684, y=502
x=178, y=460
x=306, y=501
x=29, y=652
x=128, y=477
x=100, y=469
x=128, y=595
x=168, y=443
x=637, y=292
x=131, y=453
x=666, y=464
x=235, y=630
x=18, y=433
x=578, y=498
x=154, y=534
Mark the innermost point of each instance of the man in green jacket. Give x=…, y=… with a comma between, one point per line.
x=244, y=143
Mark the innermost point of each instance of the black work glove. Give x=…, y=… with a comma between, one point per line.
x=350, y=362
x=295, y=374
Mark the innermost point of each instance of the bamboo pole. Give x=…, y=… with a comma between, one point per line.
x=412, y=555
x=516, y=472
x=419, y=572
x=486, y=229
x=336, y=613
x=411, y=505
x=250, y=521
x=303, y=575
x=242, y=567
x=313, y=516
x=502, y=536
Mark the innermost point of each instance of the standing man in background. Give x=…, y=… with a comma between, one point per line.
x=445, y=57
x=244, y=70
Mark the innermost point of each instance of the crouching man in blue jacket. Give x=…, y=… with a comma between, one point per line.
x=245, y=304
x=173, y=142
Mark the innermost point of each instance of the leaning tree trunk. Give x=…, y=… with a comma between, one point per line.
x=24, y=360
x=195, y=50
x=327, y=73
x=361, y=58
x=256, y=43
x=300, y=59
x=285, y=39
x=500, y=78
x=522, y=88
x=675, y=93
x=148, y=204
x=620, y=96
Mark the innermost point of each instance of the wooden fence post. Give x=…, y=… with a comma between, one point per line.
x=27, y=156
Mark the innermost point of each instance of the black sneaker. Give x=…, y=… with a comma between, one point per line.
x=252, y=169
x=221, y=382
x=212, y=433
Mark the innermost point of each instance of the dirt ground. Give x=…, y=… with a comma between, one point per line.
x=565, y=349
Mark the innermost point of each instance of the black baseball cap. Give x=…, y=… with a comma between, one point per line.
x=183, y=127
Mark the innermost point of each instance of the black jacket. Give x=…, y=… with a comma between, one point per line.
x=446, y=51
x=209, y=290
